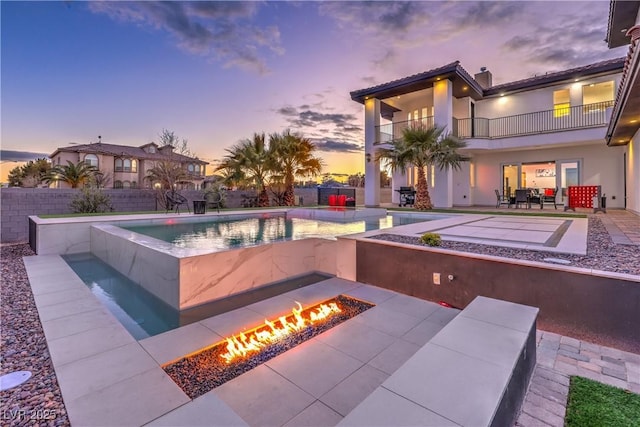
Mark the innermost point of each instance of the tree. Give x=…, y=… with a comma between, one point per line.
x=356, y=180
x=15, y=177
x=168, y=137
x=251, y=159
x=166, y=173
x=292, y=156
x=423, y=146
x=73, y=174
x=31, y=174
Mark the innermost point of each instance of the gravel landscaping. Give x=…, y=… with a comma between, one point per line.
x=38, y=401
x=23, y=346
x=602, y=253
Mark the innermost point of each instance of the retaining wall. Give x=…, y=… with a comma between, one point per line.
x=572, y=301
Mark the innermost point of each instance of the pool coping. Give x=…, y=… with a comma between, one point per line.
x=106, y=376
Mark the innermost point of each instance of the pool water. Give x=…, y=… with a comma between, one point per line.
x=139, y=311
x=251, y=231
x=145, y=315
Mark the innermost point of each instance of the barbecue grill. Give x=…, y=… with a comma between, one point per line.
x=407, y=196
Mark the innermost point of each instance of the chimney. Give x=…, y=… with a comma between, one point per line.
x=484, y=78
x=166, y=149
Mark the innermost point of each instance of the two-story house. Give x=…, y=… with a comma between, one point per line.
x=542, y=132
x=128, y=166
x=624, y=126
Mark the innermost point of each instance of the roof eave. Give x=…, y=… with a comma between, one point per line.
x=622, y=16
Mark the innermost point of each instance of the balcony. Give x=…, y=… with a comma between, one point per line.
x=571, y=118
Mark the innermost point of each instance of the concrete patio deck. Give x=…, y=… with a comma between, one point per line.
x=108, y=378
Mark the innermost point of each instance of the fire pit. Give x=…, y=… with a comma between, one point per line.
x=212, y=366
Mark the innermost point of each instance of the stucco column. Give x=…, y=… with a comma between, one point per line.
x=398, y=179
x=442, y=193
x=371, y=166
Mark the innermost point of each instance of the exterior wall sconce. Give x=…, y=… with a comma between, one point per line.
x=368, y=157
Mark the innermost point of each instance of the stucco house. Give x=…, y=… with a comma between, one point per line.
x=128, y=166
x=624, y=126
x=542, y=132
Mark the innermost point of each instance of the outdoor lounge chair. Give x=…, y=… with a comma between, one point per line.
x=502, y=200
x=549, y=196
x=175, y=200
x=522, y=196
x=214, y=200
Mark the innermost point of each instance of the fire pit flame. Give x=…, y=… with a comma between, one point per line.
x=240, y=345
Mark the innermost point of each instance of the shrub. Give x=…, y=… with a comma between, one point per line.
x=431, y=239
x=216, y=192
x=91, y=200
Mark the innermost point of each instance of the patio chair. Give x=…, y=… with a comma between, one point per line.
x=549, y=196
x=522, y=196
x=214, y=200
x=502, y=200
x=175, y=200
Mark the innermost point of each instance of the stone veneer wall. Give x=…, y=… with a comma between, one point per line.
x=17, y=204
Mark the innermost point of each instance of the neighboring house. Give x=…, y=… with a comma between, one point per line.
x=624, y=127
x=128, y=166
x=542, y=132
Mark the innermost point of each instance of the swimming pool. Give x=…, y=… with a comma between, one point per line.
x=232, y=253
x=143, y=314
x=244, y=231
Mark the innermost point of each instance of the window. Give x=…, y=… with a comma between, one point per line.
x=561, y=103
x=190, y=168
x=134, y=165
x=126, y=165
x=126, y=185
x=91, y=160
x=134, y=184
x=597, y=96
x=117, y=184
x=152, y=149
x=118, y=166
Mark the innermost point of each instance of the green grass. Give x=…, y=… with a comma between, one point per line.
x=595, y=404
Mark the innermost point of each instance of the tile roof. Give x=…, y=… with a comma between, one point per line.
x=126, y=151
x=545, y=79
x=454, y=68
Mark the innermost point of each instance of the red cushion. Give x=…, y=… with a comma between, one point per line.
x=548, y=191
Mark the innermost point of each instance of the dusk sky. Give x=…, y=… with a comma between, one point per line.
x=216, y=72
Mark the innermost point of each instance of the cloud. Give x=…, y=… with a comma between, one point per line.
x=333, y=132
x=303, y=116
x=20, y=156
x=566, y=39
x=220, y=30
x=337, y=146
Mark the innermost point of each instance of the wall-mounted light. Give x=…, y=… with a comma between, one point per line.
x=368, y=157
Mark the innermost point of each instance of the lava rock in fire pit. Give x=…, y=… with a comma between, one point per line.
x=201, y=372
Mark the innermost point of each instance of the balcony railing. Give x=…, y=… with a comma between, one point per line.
x=577, y=117
x=570, y=118
x=391, y=131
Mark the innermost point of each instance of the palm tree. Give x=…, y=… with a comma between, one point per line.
x=252, y=159
x=292, y=156
x=73, y=174
x=166, y=173
x=423, y=146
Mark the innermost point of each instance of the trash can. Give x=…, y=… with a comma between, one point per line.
x=333, y=200
x=199, y=206
x=350, y=202
x=342, y=200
